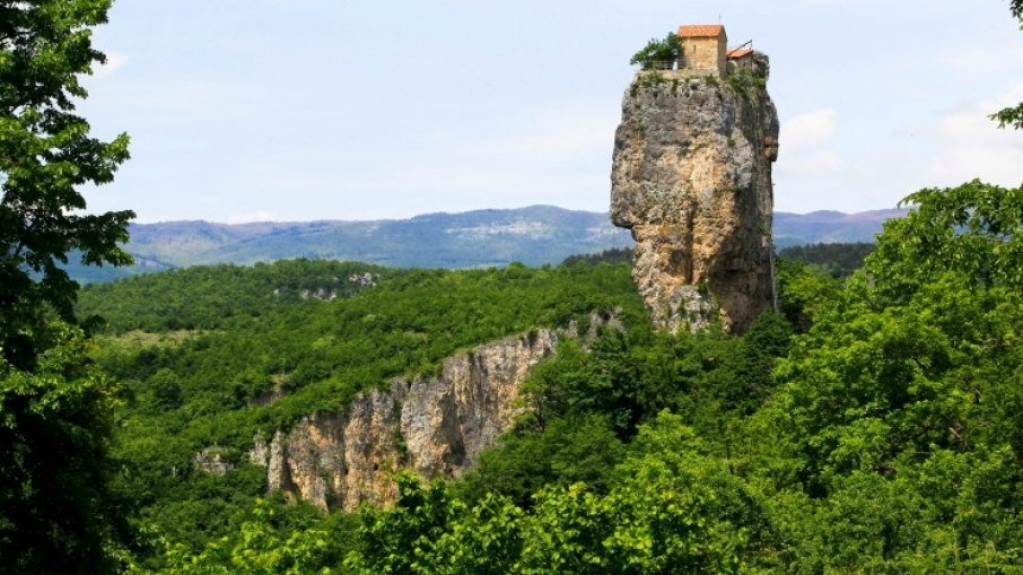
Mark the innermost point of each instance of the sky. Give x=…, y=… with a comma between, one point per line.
x=287, y=110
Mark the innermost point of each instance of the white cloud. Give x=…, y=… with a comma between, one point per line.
x=809, y=130
x=971, y=145
x=115, y=61
x=804, y=145
x=815, y=164
x=959, y=146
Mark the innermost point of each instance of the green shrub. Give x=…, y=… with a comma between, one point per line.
x=659, y=54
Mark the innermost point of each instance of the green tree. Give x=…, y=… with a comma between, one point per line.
x=46, y=153
x=673, y=509
x=972, y=230
x=400, y=540
x=914, y=352
x=261, y=547
x=56, y=514
x=582, y=448
x=487, y=540
x=895, y=434
x=659, y=54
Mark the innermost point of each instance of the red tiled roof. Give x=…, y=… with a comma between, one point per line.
x=739, y=53
x=701, y=31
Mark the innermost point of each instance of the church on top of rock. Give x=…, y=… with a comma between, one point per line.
x=705, y=49
x=691, y=178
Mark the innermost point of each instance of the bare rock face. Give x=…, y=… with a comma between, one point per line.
x=692, y=179
x=436, y=427
x=212, y=460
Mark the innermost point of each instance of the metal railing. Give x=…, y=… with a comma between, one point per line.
x=676, y=67
x=658, y=65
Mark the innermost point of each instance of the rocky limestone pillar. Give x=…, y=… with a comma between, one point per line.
x=692, y=179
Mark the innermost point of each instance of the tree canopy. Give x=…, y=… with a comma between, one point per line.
x=46, y=157
x=56, y=408
x=659, y=54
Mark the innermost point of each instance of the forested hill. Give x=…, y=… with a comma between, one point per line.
x=210, y=355
x=535, y=235
x=873, y=425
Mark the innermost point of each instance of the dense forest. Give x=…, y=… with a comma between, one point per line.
x=839, y=260
x=192, y=378
x=872, y=423
x=836, y=259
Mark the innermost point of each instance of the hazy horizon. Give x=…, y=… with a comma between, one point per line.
x=454, y=212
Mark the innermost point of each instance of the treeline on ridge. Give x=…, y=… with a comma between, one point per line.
x=837, y=259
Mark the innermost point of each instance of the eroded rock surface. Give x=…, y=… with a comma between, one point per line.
x=692, y=179
x=436, y=427
x=212, y=460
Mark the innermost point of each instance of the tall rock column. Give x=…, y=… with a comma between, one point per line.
x=692, y=179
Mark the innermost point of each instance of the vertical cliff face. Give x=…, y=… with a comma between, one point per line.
x=436, y=427
x=692, y=179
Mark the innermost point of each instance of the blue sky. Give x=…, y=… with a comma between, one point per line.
x=244, y=110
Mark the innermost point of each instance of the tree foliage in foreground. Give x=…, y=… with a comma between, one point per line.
x=672, y=508
x=56, y=513
x=46, y=155
x=895, y=437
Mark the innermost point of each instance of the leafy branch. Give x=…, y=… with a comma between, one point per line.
x=659, y=54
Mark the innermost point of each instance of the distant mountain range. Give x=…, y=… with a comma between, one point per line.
x=534, y=235
x=828, y=227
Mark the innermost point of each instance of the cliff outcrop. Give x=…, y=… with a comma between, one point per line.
x=433, y=426
x=691, y=178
